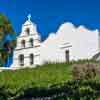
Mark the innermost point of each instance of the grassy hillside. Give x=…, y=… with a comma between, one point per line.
x=41, y=76
x=45, y=76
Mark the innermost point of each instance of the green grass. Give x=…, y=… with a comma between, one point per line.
x=15, y=81
x=41, y=76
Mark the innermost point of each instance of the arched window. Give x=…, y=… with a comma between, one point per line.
x=28, y=31
x=23, y=43
x=31, y=42
x=21, y=60
x=31, y=59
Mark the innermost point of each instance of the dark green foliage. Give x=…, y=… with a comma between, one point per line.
x=6, y=28
x=75, y=90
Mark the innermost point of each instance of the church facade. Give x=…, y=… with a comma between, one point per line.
x=68, y=43
x=27, y=51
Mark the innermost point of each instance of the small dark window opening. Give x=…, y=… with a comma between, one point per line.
x=23, y=43
x=31, y=42
x=21, y=60
x=31, y=59
x=28, y=31
x=67, y=55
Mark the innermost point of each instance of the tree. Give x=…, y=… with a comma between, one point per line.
x=5, y=28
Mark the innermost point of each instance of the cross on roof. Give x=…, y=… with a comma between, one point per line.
x=29, y=17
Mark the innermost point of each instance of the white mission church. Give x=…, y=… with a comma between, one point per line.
x=68, y=43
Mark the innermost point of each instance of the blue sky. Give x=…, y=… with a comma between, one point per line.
x=50, y=14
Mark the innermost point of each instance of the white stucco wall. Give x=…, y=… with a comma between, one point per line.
x=84, y=44
x=26, y=53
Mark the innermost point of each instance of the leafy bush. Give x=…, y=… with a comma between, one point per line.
x=74, y=90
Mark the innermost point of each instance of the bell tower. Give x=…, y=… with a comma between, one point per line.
x=29, y=33
x=27, y=51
